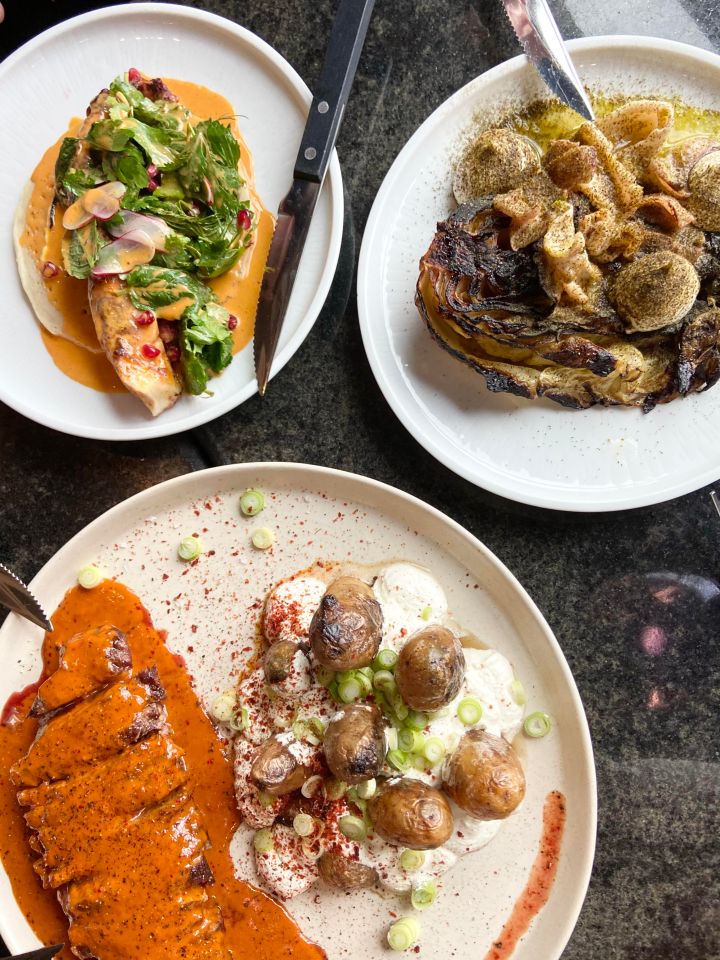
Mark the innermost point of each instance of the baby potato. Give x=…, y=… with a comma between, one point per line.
x=430, y=669
x=346, y=630
x=484, y=776
x=411, y=814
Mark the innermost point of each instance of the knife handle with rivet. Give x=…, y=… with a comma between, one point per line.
x=333, y=88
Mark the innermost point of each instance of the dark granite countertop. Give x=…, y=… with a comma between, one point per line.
x=606, y=583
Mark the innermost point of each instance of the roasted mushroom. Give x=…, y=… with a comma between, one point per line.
x=430, y=669
x=286, y=669
x=484, y=776
x=494, y=162
x=354, y=743
x=411, y=814
x=654, y=291
x=346, y=629
x=275, y=770
x=338, y=871
x=704, y=185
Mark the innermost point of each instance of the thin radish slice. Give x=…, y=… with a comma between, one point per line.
x=122, y=255
x=154, y=228
x=76, y=216
x=103, y=202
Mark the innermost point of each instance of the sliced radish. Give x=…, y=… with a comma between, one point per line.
x=122, y=255
x=156, y=230
x=76, y=216
x=103, y=202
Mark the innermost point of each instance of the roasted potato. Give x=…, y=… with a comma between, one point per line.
x=354, y=743
x=346, y=630
x=346, y=874
x=484, y=776
x=430, y=669
x=411, y=814
x=275, y=770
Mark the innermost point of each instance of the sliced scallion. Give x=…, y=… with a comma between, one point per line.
x=469, y=711
x=190, y=548
x=518, y=692
x=424, y=895
x=385, y=660
x=403, y=933
x=334, y=789
x=366, y=789
x=266, y=799
x=354, y=828
x=433, y=750
x=240, y=720
x=410, y=740
x=391, y=738
x=537, y=724
x=398, y=760
x=416, y=720
x=365, y=683
x=263, y=840
x=223, y=709
x=303, y=824
x=315, y=725
x=349, y=690
x=401, y=710
x=426, y=613
x=412, y=860
x=252, y=502
x=385, y=681
x=89, y=576
x=262, y=538
x=311, y=786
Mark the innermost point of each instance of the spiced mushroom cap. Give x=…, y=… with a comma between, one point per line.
x=275, y=770
x=704, y=187
x=354, y=743
x=484, y=776
x=654, y=291
x=495, y=162
x=430, y=668
x=411, y=814
x=346, y=629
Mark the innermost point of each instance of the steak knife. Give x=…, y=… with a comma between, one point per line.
x=296, y=209
x=537, y=31
x=16, y=597
x=45, y=953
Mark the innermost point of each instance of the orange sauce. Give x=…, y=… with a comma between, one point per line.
x=255, y=925
x=238, y=290
x=542, y=875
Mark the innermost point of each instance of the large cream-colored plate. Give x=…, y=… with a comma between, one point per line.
x=53, y=78
x=323, y=514
x=535, y=452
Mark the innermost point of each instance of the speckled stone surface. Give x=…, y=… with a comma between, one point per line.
x=634, y=598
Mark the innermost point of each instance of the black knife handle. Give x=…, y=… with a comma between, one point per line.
x=341, y=59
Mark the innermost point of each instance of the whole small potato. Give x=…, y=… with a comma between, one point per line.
x=346, y=874
x=484, y=776
x=354, y=743
x=411, y=814
x=275, y=770
x=346, y=629
x=430, y=669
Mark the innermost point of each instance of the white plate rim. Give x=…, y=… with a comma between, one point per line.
x=522, y=492
x=311, y=474
x=333, y=182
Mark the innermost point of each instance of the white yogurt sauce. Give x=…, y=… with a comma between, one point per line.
x=290, y=607
x=411, y=598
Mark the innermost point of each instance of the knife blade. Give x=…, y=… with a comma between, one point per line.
x=44, y=953
x=16, y=597
x=540, y=37
x=296, y=209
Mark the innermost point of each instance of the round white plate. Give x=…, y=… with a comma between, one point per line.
x=532, y=451
x=324, y=514
x=51, y=79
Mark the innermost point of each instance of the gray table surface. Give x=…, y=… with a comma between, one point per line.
x=606, y=583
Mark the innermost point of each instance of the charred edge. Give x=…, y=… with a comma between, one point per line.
x=149, y=678
x=201, y=873
x=149, y=720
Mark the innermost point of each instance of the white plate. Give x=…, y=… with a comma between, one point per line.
x=324, y=514
x=51, y=79
x=532, y=451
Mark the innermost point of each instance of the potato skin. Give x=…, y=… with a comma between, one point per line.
x=278, y=660
x=346, y=874
x=484, y=776
x=430, y=669
x=275, y=770
x=411, y=814
x=346, y=629
x=354, y=743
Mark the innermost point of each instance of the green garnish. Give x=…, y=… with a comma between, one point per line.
x=385, y=681
x=537, y=724
x=426, y=613
x=412, y=860
x=469, y=711
x=263, y=840
x=303, y=824
x=403, y=933
x=367, y=789
x=399, y=760
x=349, y=690
x=263, y=538
x=416, y=720
x=89, y=576
x=385, y=660
x=354, y=828
x=223, y=709
x=190, y=548
x=252, y=502
x=424, y=895
x=518, y=692
x=334, y=789
x=410, y=741
x=433, y=750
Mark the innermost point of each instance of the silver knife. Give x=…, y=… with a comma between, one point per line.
x=537, y=31
x=45, y=953
x=16, y=597
x=296, y=209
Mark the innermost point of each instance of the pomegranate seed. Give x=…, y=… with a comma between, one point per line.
x=152, y=171
x=243, y=220
x=50, y=269
x=168, y=331
x=232, y=322
x=145, y=318
x=173, y=354
x=134, y=76
x=149, y=351
x=152, y=185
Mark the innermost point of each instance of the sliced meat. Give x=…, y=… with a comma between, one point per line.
x=90, y=660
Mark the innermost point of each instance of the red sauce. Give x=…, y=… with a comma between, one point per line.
x=537, y=889
x=255, y=925
x=13, y=709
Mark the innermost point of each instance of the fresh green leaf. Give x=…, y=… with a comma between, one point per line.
x=129, y=167
x=81, y=250
x=206, y=344
x=157, y=143
x=223, y=143
x=152, y=287
x=109, y=135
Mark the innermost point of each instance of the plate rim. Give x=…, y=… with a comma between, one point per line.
x=333, y=184
x=311, y=474
x=619, y=498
